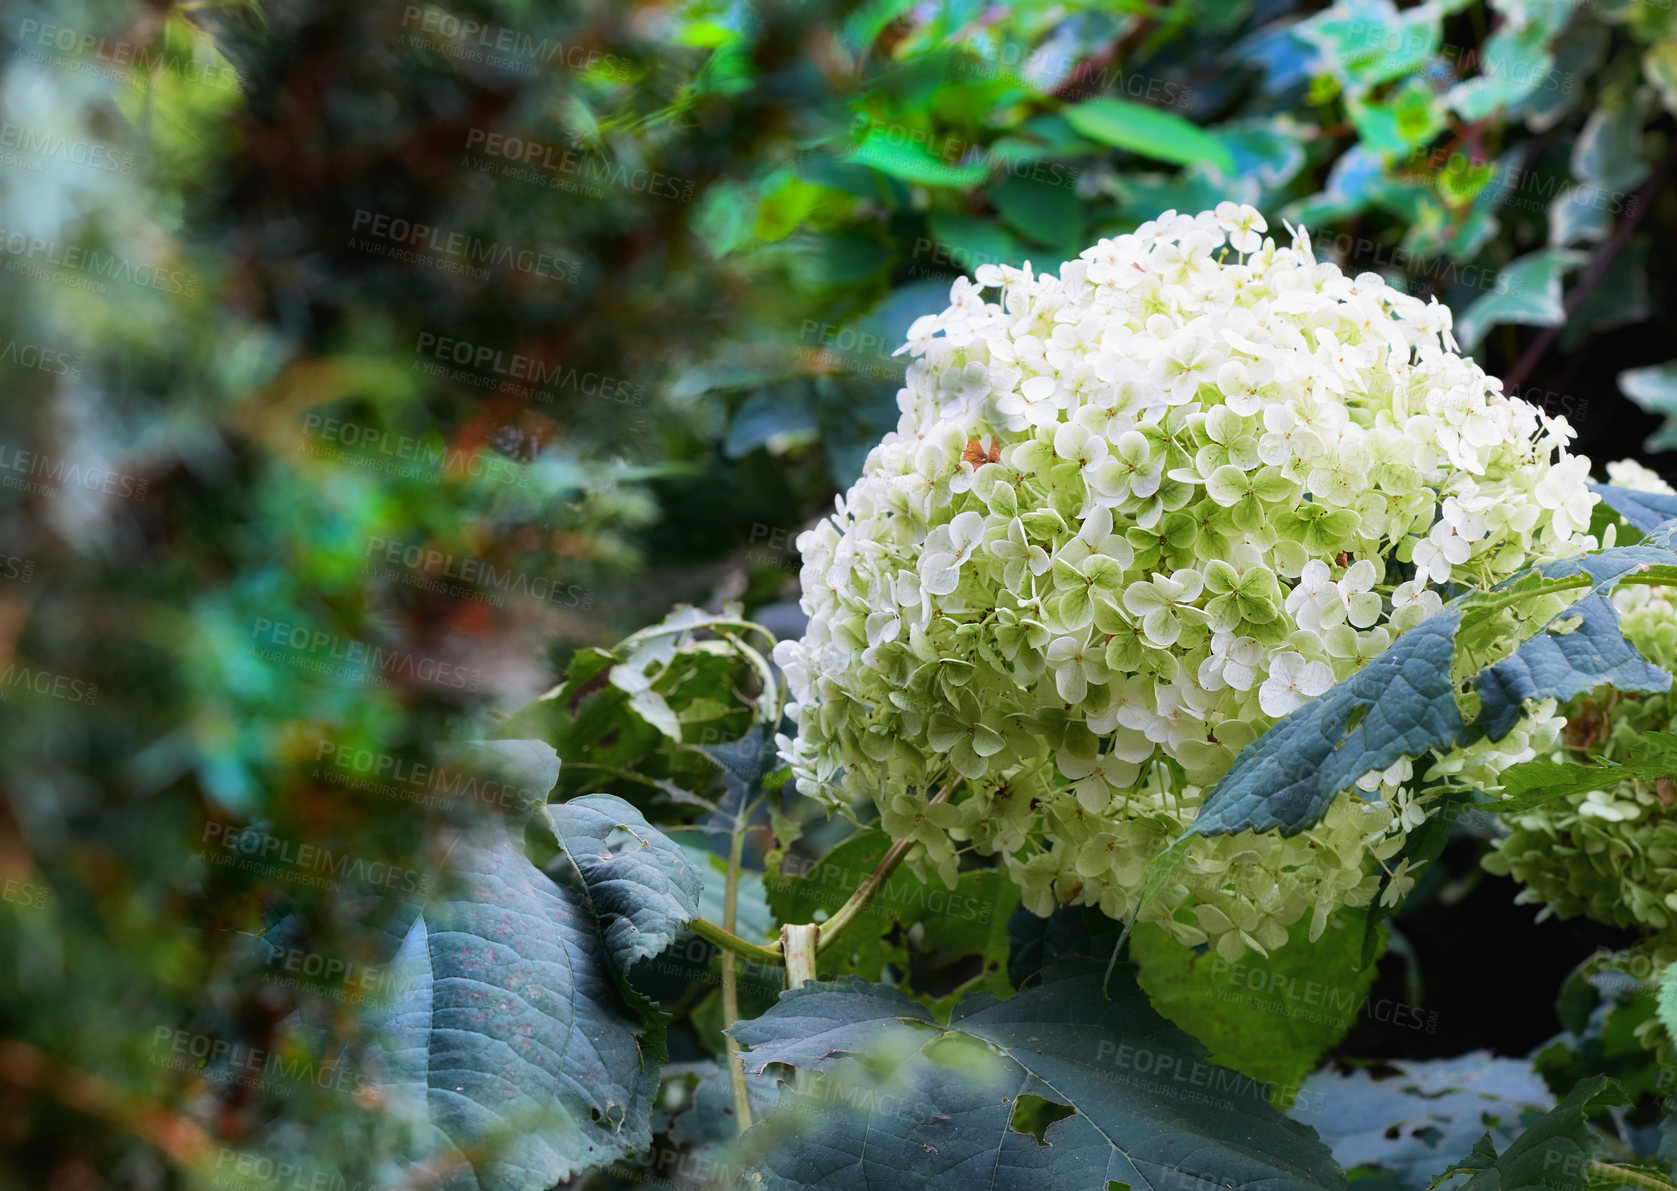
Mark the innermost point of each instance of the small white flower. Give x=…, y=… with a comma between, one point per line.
x=1292, y=683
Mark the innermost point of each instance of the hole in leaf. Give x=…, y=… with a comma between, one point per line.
x=621, y=842
x=1032, y=1115
x=1355, y=717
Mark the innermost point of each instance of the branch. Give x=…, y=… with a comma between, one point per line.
x=732, y=943
x=858, y=901
x=1626, y=1174
x=730, y=985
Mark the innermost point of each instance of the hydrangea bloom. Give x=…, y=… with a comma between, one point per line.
x=1610, y=854
x=1131, y=515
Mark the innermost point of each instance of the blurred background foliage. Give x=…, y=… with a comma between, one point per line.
x=363, y=362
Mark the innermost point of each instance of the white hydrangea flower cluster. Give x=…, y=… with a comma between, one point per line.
x=1132, y=514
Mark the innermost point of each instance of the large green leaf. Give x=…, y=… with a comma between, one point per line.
x=516, y=1053
x=1271, y=1018
x=1654, y=388
x=1536, y=782
x=907, y=160
x=1667, y=1005
x=1147, y=132
x=1403, y=703
x=904, y=1102
x=1527, y=292
x=1644, y=511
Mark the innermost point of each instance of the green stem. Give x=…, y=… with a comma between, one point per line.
x=1570, y=583
x=858, y=901
x=730, y=985
x=733, y=944
x=1636, y=1178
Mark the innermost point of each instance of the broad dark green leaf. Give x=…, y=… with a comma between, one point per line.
x=637, y=882
x=903, y=1102
x=1147, y=132
x=1286, y=778
x=1644, y=510
x=1403, y=703
x=516, y=1053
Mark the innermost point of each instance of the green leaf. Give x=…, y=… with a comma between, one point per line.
x=906, y=1103
x=1403, y=703
x=973, y=242
x=1517, y=62
x=1536, y=782
x=1666, y=1007
x=1555, y=1153
x=1042, y=212
x=1643, y=511
x=1528, y=292
x=516, y=1050
x=1271, y=1018
x=1365, y=43
x=911, y=162
x=637, y=881
x=1654, y=388
x=1147, y=132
